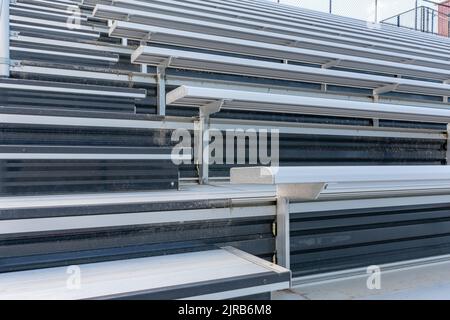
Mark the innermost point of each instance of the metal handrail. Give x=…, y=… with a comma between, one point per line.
x=424, y=19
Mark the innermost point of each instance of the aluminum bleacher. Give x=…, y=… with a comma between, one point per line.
x=235, y=45
x=252, y=101
x=88, y=113
x=350, y=205
x=213, y=26
x=297, y=183
x=203, y=277
x=138, y=10
x=224, y=64
x=323, y=59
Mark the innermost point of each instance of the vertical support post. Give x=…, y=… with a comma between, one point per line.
x=283, y=234
x=376, y=11
x=198, y=147
x=204, y=126
x=202, y=136
x=448, y=145
x=4, y=39
x=432, y=22
x=423, y=19
x=161, y=91
x=376, y=123
x=331, y=7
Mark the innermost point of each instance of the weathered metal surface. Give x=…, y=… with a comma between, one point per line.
x=339, y=240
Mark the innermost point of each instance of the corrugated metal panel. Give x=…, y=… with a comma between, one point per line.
x=33, y=177
x=13, y=134
x=322, y=150
x=24, y=177
x=65, y=102
x=338, y=240
x=150, y=107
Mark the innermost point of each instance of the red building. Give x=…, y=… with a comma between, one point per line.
x=444, y=13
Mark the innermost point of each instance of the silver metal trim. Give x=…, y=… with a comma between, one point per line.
x=22, y=226
x=267, y=102
x=95, y=122
x=92, y=156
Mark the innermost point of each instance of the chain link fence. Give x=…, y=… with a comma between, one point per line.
x=369, y=10
x=433, y=18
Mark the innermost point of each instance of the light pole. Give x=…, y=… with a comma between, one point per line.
x=4, y=38
x=331, y=6
x=376, y=11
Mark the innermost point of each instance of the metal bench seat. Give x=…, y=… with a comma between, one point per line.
x=212, y=100
x=230, y=65
x=291, y=18
x=309, y=183
x=215, y=274
x=251, y=21
x=376, y=62
x=244, y=33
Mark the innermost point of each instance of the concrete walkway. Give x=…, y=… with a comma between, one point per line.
x=431, y=282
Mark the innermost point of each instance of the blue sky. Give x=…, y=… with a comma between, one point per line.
x=360, y=9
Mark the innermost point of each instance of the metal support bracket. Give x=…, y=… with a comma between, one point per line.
x=301, y=192
x=409, y=61
x=331, y=64
x=147, y=38
x=211, y=108
x=165, y=64
x=385, y=89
